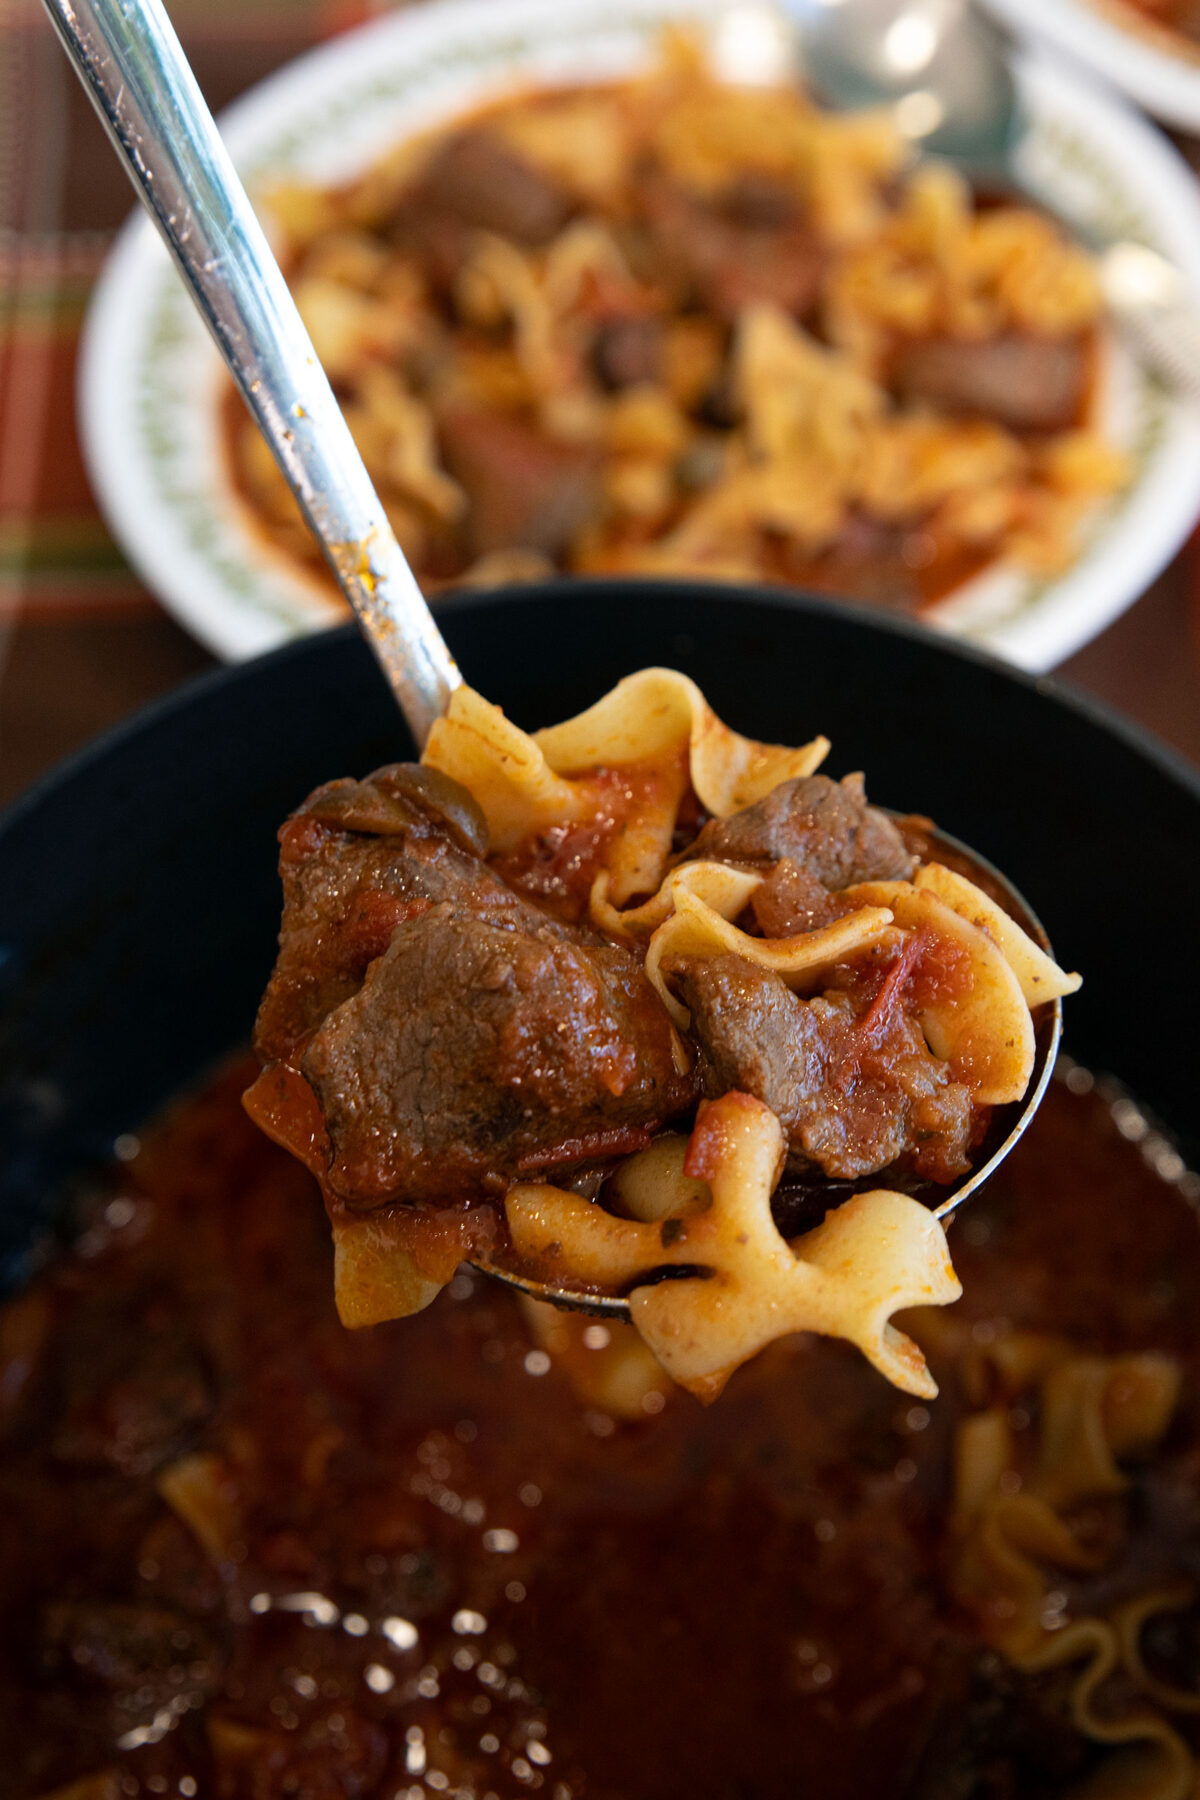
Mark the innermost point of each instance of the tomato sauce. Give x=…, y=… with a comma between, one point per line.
x=556, y=868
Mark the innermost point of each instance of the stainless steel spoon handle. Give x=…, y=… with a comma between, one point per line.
x=132, y=65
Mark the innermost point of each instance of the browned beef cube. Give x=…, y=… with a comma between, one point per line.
x=475, y=1050
x=850, y=1102
x=356, y=859
x=791, y=900
x=476, y=179
x=1024, y=382
x=526, y=490
x=735, y=252
x=455, y=1035
x=825, y=827
x=868, y=561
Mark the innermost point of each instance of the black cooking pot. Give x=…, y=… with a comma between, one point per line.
x=139, y=899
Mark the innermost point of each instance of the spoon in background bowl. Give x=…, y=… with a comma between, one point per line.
x=131, y=62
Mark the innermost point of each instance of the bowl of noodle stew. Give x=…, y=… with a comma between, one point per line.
x=704, y=331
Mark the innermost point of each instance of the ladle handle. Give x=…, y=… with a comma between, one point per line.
x=132, y=64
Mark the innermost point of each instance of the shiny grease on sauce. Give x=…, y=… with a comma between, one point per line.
x=438, y=1571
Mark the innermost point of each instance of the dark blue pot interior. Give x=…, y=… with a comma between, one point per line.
x=138, y=893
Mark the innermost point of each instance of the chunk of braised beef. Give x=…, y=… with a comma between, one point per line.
x=756, y=198
x=868, y=560
x=439, y=244
x=853, y=1096
x=792, y=900
x=526, y=490
x=152, y=1650
x=1025, y=382
x=474, y=177
x=476, y=1050
x=356, y=859
x=754, y=1034
x=824, y=827
x=735, y=251
x=454, y=1034
x=628, y=351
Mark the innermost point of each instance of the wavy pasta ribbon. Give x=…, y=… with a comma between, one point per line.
x=1150, y=1760
x=537, y=294
x=649, y=714
x=697, y=929
x=1013, y=1538
x=620, y=1376
x=1094, y=1410
x=376, y=1275
x=980, y=1025
x=1039, y=975
x=524, y=783
x=724, y=889
x=873, y=1256
x=201, y=1489
x=1011, y=1362
x=1129, y=1622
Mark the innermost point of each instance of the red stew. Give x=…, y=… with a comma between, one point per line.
x=422, y=1566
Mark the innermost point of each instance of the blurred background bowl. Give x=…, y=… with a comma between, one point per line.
x=151, y=382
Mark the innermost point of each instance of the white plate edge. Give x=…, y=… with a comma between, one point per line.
x=1166, y=86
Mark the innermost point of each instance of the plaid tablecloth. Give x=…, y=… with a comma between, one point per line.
x=62, y=194
x=81, y=642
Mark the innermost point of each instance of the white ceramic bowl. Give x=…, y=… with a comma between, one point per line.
x=1158, y=68
x=150, y=378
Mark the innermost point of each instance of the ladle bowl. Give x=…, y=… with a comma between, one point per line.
x=819, y=1195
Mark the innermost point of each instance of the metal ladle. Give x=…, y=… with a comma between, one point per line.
x=133, y=67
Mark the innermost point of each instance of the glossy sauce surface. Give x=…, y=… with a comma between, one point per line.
x=556, y=868
x=431, y=1568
